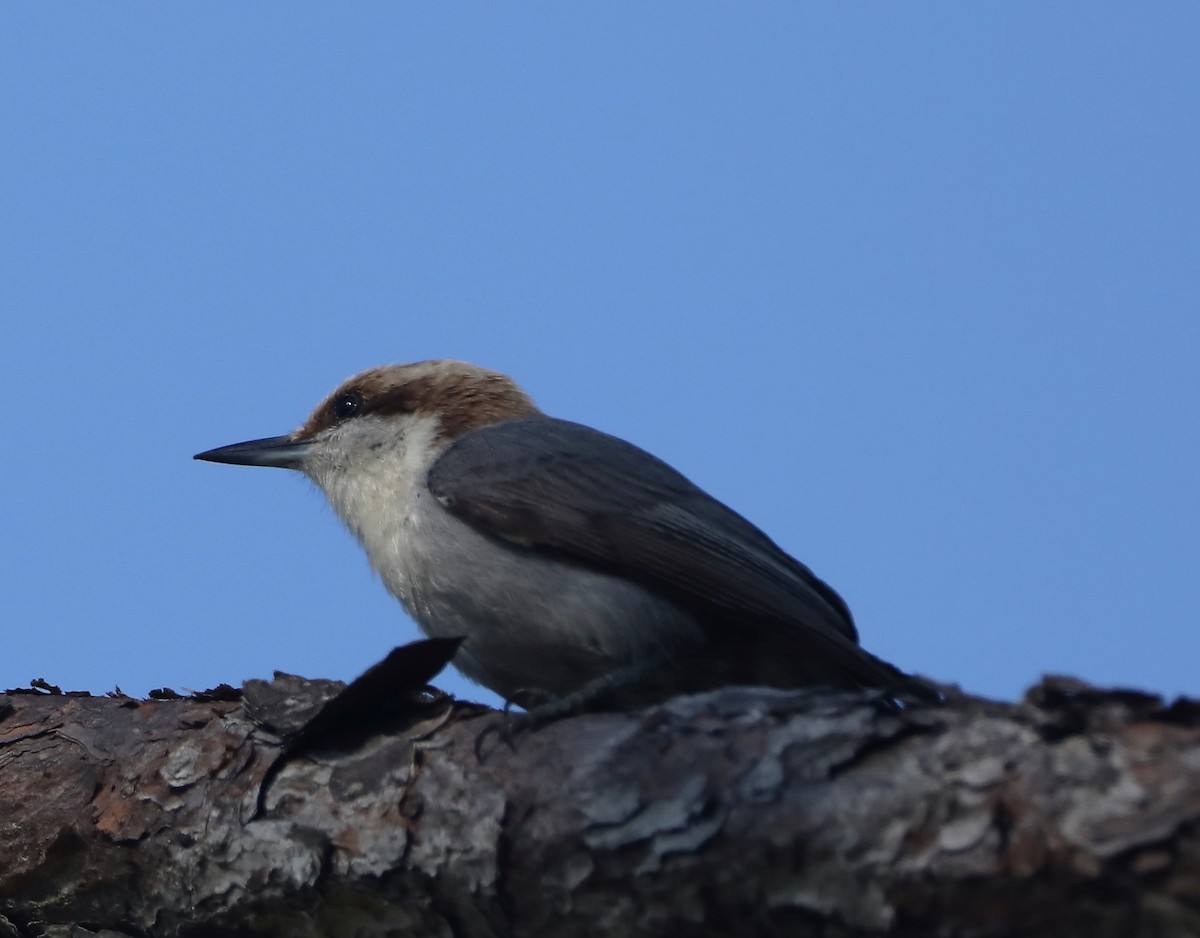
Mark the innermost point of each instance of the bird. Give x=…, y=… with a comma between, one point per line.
x=578, y=568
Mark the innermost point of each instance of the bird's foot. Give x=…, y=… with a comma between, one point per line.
x=551, y=709
x=510, y=725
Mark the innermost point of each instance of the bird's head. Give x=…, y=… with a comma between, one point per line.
x=394, y=418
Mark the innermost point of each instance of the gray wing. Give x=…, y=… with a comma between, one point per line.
x=562, y=487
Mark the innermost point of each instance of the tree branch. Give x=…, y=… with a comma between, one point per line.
x=741, y=811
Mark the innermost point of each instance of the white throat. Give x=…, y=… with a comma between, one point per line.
x=374, y=475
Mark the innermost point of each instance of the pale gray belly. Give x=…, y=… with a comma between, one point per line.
x=531, y=622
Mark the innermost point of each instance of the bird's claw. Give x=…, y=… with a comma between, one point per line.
x=506, y=730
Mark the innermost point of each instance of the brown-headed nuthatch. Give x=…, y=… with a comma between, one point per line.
x=572, y=562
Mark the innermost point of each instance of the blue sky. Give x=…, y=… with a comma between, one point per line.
x=916, y=288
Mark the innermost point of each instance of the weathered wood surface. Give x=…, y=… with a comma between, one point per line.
x=738, y=812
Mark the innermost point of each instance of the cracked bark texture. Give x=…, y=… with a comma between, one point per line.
x=743, y=811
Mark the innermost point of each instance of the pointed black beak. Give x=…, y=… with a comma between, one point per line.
x=281, y=452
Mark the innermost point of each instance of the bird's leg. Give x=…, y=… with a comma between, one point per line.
x=512, y=724
x=504, y=728
x=592, y=692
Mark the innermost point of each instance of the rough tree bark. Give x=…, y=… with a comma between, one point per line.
x=737, y=812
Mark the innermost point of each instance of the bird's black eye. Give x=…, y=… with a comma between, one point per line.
x=348, y=405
